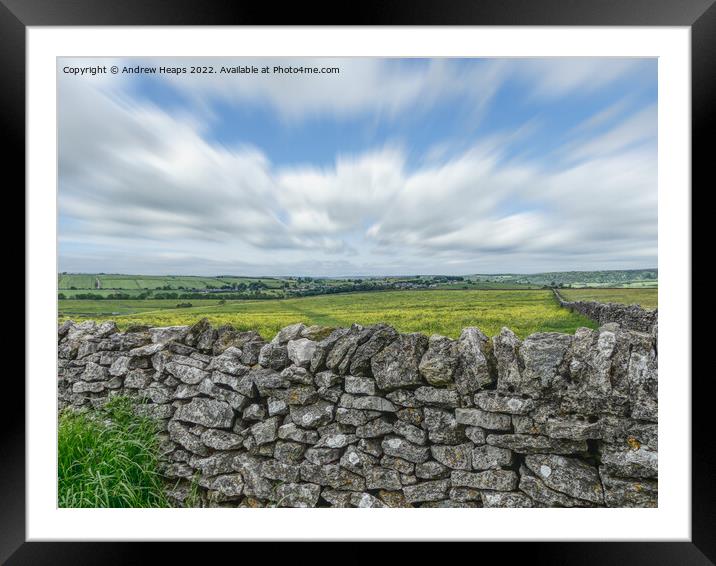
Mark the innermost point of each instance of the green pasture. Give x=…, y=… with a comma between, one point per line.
x=645, y=297
x=429, y=312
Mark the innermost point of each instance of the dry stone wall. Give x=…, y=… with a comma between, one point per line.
x=369, y=417
x=632, y=317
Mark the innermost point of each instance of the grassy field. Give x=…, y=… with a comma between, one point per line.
x=108, y=459
x=646, y=297
x=440, y=312
x=143, y=282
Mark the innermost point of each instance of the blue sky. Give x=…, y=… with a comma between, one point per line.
x=389, y=167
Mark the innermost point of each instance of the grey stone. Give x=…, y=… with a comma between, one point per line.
x=456, y=457
x=505, y=499
x=221, y=439
x=298, y=494
x=543, y=355
x=301, y=395
x=332, y=475
x=229, y=362
x=299, y=375
x=394, y=499
x=207, y=412
x=490, y=457
x=292, y=332
x=403, y=398
x=447, y=503
x=442, y=426
x=327, y=379
x=276, y=407
x=535, y=444
x=186, y=374
x=626, y=461
x=621, y=492
x=499, y=403
x=184, y=391
x=154, y=411
x=229, y=485
x=574, y=429
x=643, y=384
x=440, y=361
x=381, y=335
x=567, y=475
x=359, y=385
x=464, y=494
x=157, y=392
x=336, y=440
x=475, y=434
x=356, y=460
x=324, y=347
x=410, y=432
x=250, y=352
x=274, y=356
x=312, y=416
x=475, y=367
x=120, y=366
x=254, y=412
x=382, y=478
x=301, y=351
x=290, y=431
x=235, y=400
x=336, y=498
x=265, y=431
x=322, y=456
x=280, y=471
x=483, y=419
x=255, y=485
x=366, y=403
x=427, y=491
x=148, y=350
x=219, y=463
x=266, y=380
x=339, y=358
x=495, y=480
x=167, y=333
x=413, y=416
x=355, y=417
x=289, y=452
x=94, y=372
x=183, y=436
x=435, y=397
x=88, y=387
x=365, y=500
x=506, y=346
x=401, y=448
x=375, y=428
x=398, y=464
x=397, y=364
x=543, y=496
x=431, y=470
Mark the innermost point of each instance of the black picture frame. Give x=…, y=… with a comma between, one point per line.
x=699, y=15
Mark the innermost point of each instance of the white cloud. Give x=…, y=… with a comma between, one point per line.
x=560, y=76
x=144, y=191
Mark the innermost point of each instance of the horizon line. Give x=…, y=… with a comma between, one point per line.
x=353, y=275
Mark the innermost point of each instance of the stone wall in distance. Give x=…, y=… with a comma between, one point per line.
x=631, y=317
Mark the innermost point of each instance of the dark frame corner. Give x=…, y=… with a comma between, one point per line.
x=700, y=15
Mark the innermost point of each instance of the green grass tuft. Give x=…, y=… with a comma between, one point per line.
x=109, y=458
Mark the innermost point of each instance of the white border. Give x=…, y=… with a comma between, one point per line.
x=670, y=521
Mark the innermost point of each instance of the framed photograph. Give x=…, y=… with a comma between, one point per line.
x=405, y=278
